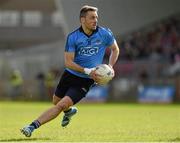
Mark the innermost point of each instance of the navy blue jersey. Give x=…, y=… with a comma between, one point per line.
x=89, y=50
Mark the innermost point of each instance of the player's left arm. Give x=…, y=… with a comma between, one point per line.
x=114, y=53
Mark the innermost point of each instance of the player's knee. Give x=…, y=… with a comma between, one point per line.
x=55, y=99
x=62, y=106
x=54, y=102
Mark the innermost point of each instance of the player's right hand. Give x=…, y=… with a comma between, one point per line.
x=96, y=77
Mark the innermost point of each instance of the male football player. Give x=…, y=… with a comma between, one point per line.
x=84, y=50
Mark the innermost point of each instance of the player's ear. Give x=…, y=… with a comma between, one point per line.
x=82, y=19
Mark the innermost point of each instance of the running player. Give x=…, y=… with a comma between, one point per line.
x=84, y=50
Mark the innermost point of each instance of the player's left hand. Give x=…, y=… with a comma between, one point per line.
x=112, y=69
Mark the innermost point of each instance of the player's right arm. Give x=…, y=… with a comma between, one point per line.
x=69, y=55
x=69, y=63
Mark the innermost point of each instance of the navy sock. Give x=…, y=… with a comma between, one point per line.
x=36, y=124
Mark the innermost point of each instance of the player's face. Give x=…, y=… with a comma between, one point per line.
x=90, y=20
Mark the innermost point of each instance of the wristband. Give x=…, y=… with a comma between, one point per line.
x=88, y=70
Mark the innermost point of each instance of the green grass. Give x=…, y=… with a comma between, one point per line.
x=93, y=123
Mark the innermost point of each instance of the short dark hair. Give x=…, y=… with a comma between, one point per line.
x=85, y=9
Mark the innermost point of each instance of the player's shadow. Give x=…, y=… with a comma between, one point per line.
x=24, y=139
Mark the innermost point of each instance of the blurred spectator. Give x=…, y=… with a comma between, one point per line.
x=41, y=86
x=16, y=82
x=143, y=75
x=175, y=54
x=160, y=43
x=50, y=83
x=129, y=52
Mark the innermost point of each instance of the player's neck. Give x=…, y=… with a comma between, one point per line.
x=87, y=31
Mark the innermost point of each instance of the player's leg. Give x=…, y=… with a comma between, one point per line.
x=56, y=99
x=80, y=86
x=60, y=90
x=76, y=94
x=68, y=115
x=54, y=111
x=48, y=115
x=62, y=87
x=68, y=112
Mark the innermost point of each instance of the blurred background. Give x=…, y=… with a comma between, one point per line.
x=32, y=39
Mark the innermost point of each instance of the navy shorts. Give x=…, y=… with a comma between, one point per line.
x=73, y=86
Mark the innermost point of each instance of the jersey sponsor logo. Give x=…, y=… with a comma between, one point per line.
x=88, y=51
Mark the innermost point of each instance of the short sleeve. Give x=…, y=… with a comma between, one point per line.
x=70, y=44
x=109, y=38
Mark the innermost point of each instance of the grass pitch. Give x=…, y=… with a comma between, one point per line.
x=93, y=123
